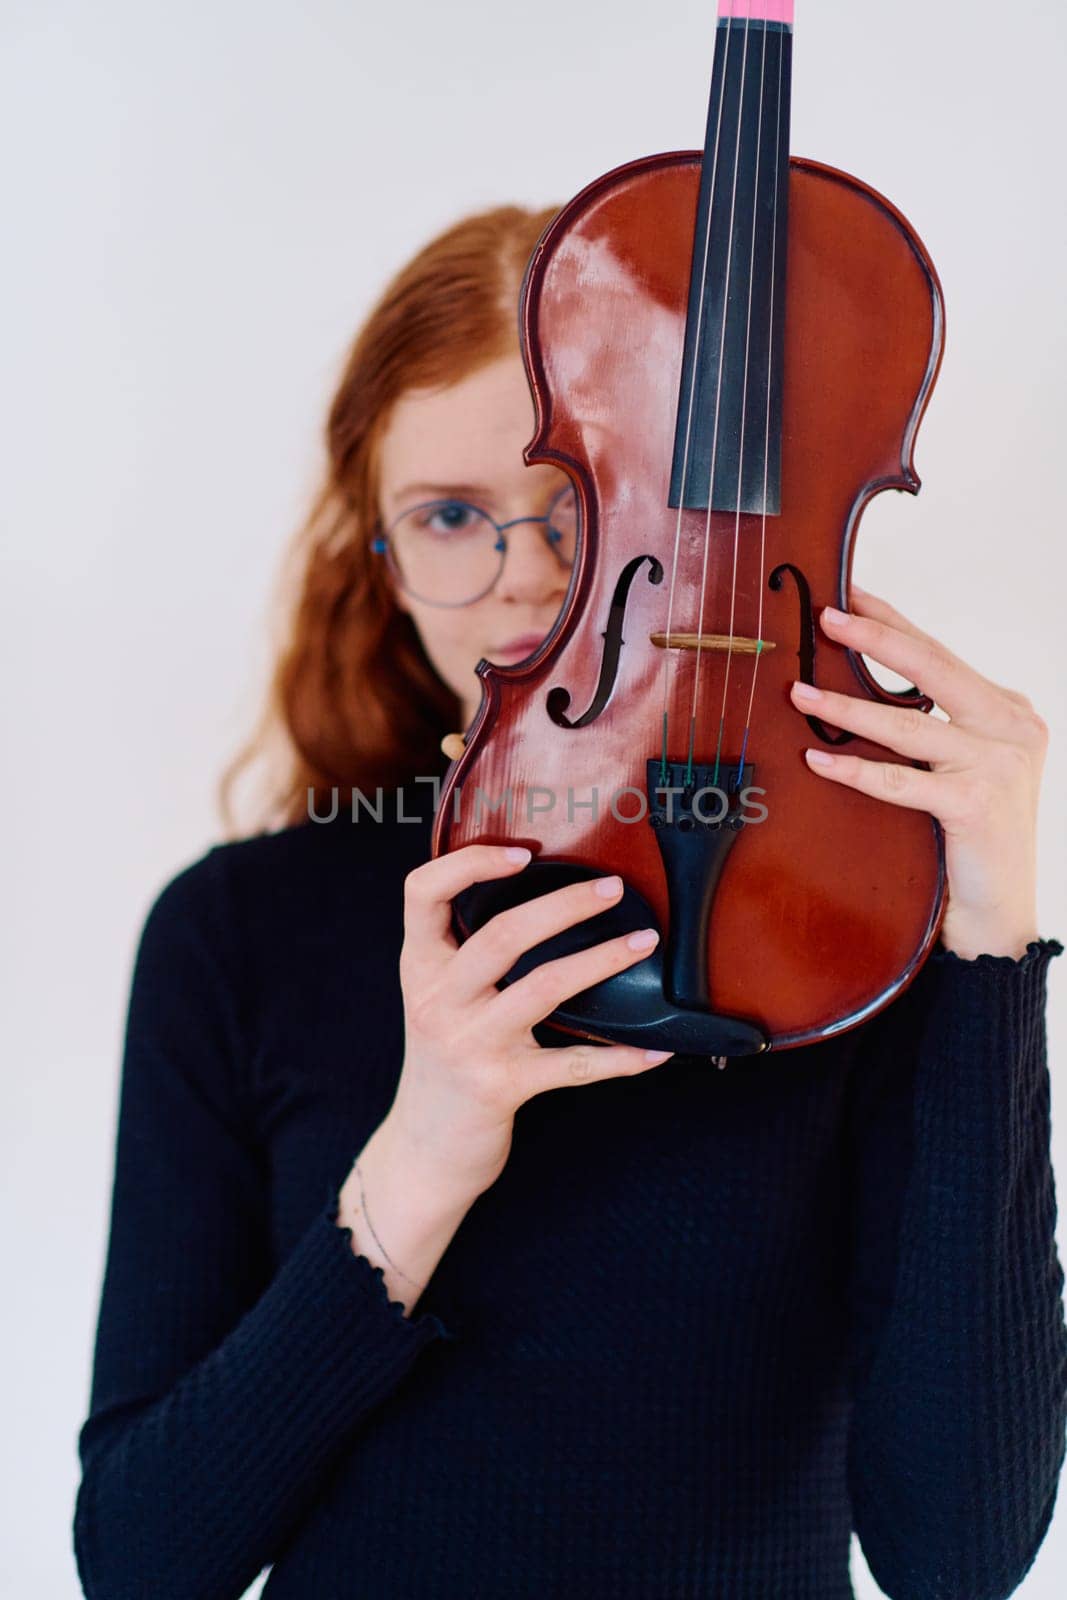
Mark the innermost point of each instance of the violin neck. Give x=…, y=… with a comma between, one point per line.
x=728, y=432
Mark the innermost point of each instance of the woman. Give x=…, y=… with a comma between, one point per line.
x=385, y=1310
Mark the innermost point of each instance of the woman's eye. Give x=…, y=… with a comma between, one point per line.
x=449, y=517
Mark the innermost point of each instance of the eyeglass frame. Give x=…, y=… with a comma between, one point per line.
x=380, y=544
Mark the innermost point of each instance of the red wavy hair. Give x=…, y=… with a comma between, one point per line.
x=353, y=701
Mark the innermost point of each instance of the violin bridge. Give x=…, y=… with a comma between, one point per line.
x=711, y=641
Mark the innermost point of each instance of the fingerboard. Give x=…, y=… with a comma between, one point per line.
x=728, y=433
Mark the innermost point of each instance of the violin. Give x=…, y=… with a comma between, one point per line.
x=730, y=352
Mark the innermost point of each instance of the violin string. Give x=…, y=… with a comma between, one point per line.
x=718, y=406
x=767, y=420
x=744, y=412
x=670, y=667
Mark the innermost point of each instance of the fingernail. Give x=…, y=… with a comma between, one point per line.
x=819, y=758
x=658, y=1055
x=608, y=887
x=831, y=614
x=518, y=852
x=806, y=692
x=643, y=940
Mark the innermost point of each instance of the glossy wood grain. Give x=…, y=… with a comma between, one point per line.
x=825, y=910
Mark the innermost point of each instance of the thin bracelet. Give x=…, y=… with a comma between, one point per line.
x=377, y=1241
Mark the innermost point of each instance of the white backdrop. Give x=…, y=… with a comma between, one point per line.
x=201, y=202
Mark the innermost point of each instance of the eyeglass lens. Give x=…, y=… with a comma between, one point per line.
x=447, y=551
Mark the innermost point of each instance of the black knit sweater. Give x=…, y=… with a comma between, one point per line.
x=705, y=1323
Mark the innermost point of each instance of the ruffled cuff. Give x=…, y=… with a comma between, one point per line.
x=426, y=1325
x=1039, y=952
x=990, y=982
x=988, y=1006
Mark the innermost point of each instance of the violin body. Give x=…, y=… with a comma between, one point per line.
x=807, y=920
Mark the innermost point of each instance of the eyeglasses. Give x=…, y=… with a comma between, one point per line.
x=451, y=553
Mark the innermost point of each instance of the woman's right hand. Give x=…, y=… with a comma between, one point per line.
x=470, y=1057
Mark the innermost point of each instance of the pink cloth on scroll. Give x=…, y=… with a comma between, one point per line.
x=758, y=10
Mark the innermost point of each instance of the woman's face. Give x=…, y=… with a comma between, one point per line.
x=466, y=442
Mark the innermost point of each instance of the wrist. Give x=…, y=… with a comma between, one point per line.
x=399, y=1215
x=412, y=1180
x=480, y=1157
x=976, y=936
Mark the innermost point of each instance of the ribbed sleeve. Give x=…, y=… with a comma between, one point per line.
x=224, y=1385
x=959, y=1351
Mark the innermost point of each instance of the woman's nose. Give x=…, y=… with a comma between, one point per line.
x=532, y=570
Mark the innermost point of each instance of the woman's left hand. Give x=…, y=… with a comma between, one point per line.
x=984, y=777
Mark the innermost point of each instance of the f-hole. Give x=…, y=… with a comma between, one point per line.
x=806, y=649
x=559, y=698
